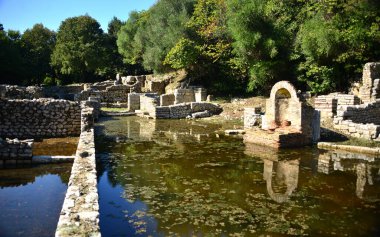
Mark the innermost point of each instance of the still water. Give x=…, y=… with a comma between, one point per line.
x=31, y=199
x=185, y=178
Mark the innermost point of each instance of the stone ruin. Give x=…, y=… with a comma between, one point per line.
x=355, y=115
x=289, y=120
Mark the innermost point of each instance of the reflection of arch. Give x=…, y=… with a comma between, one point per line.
x=287, y=171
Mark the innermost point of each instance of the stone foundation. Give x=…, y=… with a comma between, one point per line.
x=276, y=139
x=185, y=110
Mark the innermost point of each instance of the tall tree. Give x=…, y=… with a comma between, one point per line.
x=12, y=70
x=38, y=44
x=80, y=49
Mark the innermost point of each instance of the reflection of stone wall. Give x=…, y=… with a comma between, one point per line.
x=16, y=149
x=39, y=118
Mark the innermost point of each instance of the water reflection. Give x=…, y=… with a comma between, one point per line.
x=180, y=178
x=366, y=167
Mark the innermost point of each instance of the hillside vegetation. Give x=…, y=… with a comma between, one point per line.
x=229, y=46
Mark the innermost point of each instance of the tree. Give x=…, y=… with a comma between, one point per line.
x=12, y=70
x=260, y=42
x=80, y=49
x=334, y=42
x=38, y=44
x=148, y=36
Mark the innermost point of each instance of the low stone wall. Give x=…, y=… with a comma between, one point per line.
x=80, y=212
x=185, y=110
x=20, y=92
x=365, y=113
x=39, y=118
x=15, y=150
x=328, y=104
x=149, y=102
x=133, y=101
x=366, y=131
x=167, y=99
x=252, y=117
x=184, y=96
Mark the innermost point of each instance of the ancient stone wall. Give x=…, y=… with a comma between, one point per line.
x=80, y=211
x=328, y=104
x=133, y=101
x=14, y=149
x=185, y=110
x=200, y=94
x=369, y=90
x=148, y=102
x=360, y=121
x=252, y=117
x=167, y=99
x=19, y=92
x=184, y=96
x=39, y=118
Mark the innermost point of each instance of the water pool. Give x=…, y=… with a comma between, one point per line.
x=183, y=178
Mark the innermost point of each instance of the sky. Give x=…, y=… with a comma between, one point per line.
x=23, y=14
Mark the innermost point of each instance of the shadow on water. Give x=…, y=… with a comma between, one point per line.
x=31, y=199
x=169, y=177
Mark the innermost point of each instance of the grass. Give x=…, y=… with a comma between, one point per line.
x=106, y=109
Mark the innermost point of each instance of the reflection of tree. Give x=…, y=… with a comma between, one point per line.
x=286, y=174
x=24, y=175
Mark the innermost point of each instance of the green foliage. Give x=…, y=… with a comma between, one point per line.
x=38, y=44
x=259, y=42
x=80, y=50
x=12, y=70
x=183, y=54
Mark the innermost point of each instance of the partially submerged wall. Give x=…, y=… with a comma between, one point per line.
x=39, y=118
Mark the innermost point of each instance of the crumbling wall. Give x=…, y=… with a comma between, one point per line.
x=183, y=96
x=185, y=110
x=20, y=92
x=328, y=104
x=148, y=102
x=369, y=90
x=133, y=101
x=360, y=121
x=167, y=99
x=39, y=118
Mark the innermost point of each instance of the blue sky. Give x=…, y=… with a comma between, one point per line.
x=23, y=14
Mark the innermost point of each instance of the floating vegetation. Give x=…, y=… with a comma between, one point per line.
x=176, y=185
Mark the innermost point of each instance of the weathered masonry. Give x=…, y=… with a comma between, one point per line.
x=356, y=115
x=289, y=120
x=39, y=118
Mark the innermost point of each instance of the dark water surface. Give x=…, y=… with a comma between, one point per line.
x=31, y=199
x=180, y=178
